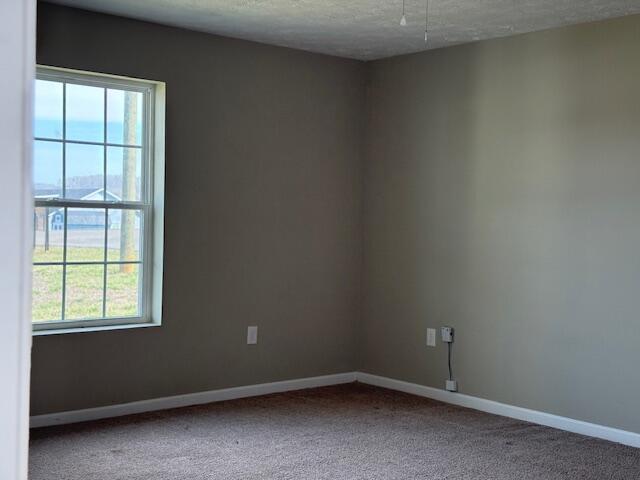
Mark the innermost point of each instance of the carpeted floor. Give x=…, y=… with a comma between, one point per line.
x=344, y=432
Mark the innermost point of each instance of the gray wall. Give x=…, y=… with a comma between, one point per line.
x=262, y=221
x=502, y=196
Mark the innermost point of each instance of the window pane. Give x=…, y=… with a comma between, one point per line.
x=48, y=109
x=124, y=117
x=123, y=288
x=85, y=113
x=48, y=238
x=83, y=298
x=47, y=169
x=124, y=235
x=85, y=234
x=124, y=167
x=85, y=172
x=47, y=293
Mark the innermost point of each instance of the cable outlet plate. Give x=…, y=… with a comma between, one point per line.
x=447, y=334
x=451, y=385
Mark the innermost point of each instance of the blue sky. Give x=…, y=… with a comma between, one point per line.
x=82, y=160
x=85, y=122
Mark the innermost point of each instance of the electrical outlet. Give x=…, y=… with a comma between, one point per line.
x=431, y=337
x=447, y=334
x=252, y=335
x=451, y=385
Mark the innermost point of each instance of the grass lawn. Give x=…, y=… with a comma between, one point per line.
x=84, y=286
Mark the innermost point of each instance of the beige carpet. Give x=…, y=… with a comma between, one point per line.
x=345, y=432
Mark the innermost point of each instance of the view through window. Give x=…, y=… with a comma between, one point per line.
x=93, y=199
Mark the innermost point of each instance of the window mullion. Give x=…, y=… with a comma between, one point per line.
x=106, y=210
x=64, y=138
x=71, y=203
x=87, y=142
x=104, y=272
x=94, y=262
x=64, y=263
x=64, y=195
x=104, y=147
x=145, y=194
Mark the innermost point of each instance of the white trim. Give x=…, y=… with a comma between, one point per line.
x=84, y=77
x=150, y=263
x=17, y=51
x=177, y=401
x=99, y=328
x=541, y=418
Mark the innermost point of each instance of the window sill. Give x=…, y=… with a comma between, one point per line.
x=101, y=328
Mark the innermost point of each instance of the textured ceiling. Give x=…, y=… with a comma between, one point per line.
x=363, y=29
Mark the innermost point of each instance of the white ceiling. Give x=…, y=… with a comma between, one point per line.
x=363, y=29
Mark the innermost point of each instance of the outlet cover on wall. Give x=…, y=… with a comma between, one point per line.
x=447, y=334
x=252, y=335
x=431, y=337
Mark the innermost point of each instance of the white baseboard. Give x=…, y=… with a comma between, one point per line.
x=484, y=405
x=190, y=399
x=561, y=423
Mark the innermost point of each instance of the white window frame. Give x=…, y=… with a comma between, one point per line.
x=151, y=202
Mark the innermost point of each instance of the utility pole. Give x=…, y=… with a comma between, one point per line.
x=128, y=217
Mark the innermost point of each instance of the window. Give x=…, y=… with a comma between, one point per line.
x=97, y=174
